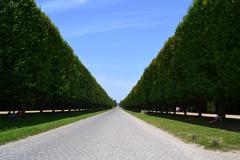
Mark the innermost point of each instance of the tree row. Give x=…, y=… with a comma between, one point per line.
x=38, y=69
x=198, y=69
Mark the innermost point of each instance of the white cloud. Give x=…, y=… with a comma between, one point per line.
x=107, y=27
x=59, y=5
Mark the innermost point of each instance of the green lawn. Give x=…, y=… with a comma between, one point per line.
x=31, y=124
x=211, y=137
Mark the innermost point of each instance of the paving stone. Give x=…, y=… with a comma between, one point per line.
x=114, y=135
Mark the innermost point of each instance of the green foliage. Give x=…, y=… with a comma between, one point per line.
x=38, y=68
x=199, y=64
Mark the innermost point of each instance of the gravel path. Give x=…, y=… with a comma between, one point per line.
x=114, y=135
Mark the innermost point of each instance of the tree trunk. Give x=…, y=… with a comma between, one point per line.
x=174, y=110
x=200, y=109
x=201, y=106
x=185, y=110
x=220, y=107
x=41, y=110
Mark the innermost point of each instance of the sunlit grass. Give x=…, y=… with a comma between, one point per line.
x=208, y=137
x=31, y=124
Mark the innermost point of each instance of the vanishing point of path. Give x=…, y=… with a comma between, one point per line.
x=114, y=135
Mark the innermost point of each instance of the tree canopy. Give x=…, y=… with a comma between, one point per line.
x=199, y=64
x=38, y=68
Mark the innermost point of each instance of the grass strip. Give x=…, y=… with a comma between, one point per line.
x=209, y=138
x=32, y=124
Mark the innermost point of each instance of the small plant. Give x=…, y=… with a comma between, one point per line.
x=216, y=143
x=194, y=137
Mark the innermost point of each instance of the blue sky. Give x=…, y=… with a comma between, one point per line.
x=116, y=39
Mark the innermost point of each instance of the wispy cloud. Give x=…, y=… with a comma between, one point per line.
x=111, y=26
x=59, y=5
